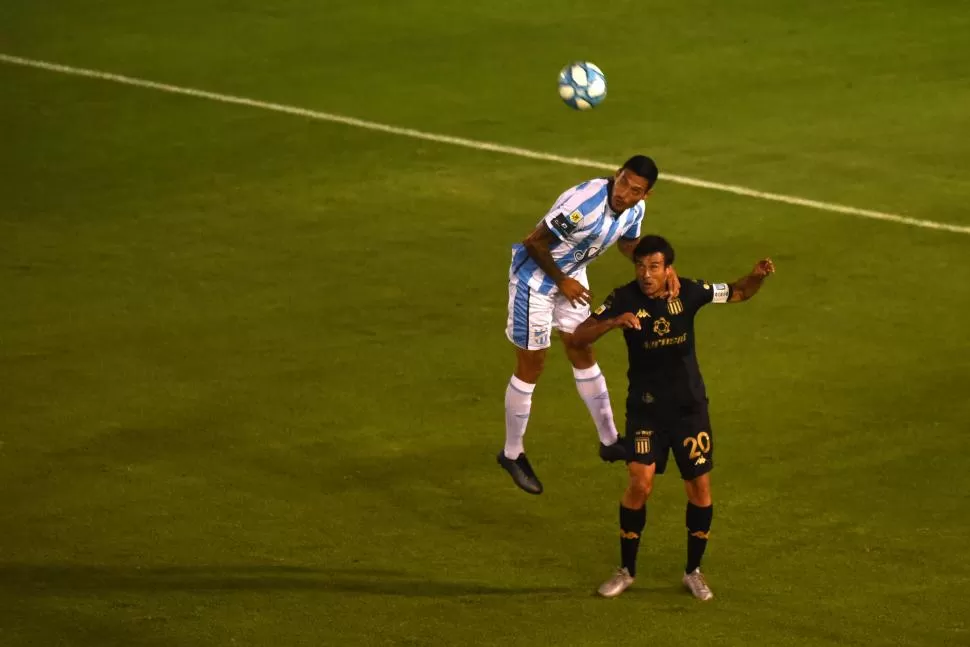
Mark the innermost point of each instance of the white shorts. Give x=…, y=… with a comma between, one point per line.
x=532, y=316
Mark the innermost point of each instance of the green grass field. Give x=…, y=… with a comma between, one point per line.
x=252, y=365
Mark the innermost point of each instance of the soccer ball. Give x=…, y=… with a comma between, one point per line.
x=582, y=85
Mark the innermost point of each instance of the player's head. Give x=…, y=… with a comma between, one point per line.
x=652, y=258
x=633, y=181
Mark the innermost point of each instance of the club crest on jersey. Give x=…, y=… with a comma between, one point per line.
x=581, y=255
x=675, y=307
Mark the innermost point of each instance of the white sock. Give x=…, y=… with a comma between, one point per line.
x=518, y=405
x=592, y=389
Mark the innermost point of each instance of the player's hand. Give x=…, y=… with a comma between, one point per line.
x=673, y=284
x=627, y=320
x=763, y=268
x=575, y=291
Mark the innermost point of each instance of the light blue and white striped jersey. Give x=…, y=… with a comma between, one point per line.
x=585, y=226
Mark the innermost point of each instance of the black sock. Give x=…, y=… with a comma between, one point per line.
x=698, y=528
x=631, y=525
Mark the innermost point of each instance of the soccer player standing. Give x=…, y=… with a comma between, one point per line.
x=548, y=288
x=666, y=407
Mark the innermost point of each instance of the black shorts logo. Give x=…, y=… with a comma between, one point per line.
x=642, y=441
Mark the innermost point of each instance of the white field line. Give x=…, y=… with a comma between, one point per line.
x=474, y=144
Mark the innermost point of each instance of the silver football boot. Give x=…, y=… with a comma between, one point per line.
x=617, y=584
x=697, y=585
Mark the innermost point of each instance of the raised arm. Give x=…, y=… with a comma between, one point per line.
x=747, y=286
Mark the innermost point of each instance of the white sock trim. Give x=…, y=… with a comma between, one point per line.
x=522, y=387
x=586, y=374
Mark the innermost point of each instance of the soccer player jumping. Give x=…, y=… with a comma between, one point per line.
x=548, y=289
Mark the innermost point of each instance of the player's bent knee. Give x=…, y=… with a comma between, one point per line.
x=636, y=496
x=699, y=491
x=569, y=340
x=580, y=357
x=529, y=364
x=641, y=482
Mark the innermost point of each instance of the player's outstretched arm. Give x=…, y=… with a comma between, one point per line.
x=747, y=286
x=537, y=245
x=592, y=329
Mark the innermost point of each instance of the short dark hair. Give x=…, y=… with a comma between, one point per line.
x=645, y=167
x=651, y=245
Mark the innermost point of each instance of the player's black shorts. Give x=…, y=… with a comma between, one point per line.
x=651, y=435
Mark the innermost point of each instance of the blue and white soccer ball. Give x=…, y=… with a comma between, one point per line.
x=582, y=85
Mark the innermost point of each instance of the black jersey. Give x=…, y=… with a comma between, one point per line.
x=663, y=364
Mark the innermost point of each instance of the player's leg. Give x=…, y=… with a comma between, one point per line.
x=633, y=519
x=529, y=327
x=700, y=513
x=518, y=398
x=590, y=382
x=645, y=446
x=695, y=458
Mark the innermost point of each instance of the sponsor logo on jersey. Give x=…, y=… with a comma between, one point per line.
x=643, y=314
x=661, y=326
x=663, y=343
